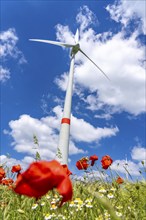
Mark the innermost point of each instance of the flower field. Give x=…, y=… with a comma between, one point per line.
x=48, y=190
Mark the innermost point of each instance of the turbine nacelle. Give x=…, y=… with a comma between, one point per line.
x=75, y=49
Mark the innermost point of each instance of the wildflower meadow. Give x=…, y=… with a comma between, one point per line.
x=49, y=190
x=73, y=110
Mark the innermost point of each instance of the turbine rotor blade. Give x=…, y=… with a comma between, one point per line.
x=77, y=37
x=53, y=42
x=95, y=64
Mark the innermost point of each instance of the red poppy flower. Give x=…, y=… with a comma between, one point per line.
x=16, y=168
x=2, y=173
x=82, y=164
x=119, y=180
x=7, y=182
x=68, y=172
x=106, y=162
x=43, y=176
x=93, y=159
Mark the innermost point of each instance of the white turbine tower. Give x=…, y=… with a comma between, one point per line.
x=63, y=145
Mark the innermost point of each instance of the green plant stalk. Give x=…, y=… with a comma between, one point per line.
x=128, y=173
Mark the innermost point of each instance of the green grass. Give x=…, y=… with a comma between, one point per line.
x=96, y=200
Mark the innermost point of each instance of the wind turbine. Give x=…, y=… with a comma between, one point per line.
x=63, y=145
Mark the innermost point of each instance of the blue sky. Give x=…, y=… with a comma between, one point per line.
x=107, y=117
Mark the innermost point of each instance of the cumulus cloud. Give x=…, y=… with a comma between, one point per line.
x=8, y=162
x=47, y=129
x=44, y=129
x=62, y=81
x=121, y=58
x=125, y=11
x=23, y=138
x=138, y=153
x=125, y=71
x=89, y=133
x=92, y=102
x=9, y=49
x=120, y=165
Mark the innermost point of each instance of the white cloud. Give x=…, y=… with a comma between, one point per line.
x=121, y=58
x=47, y=128
x=84, y=131
x=23, y=138
x=8, y=162
x=85, y=17
x=91, y=176
x=74, y=150
x=105, y=116
x=27, y=160
x=8, y=45
x=62, y=81
x=138, y=153
x=88, y=133
x=9, y=49
x=44, y=129
x=4, y=74
x=125, y=71
x=64, y=33
x=133, y=168
x=125, y=11
x=93, y=103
